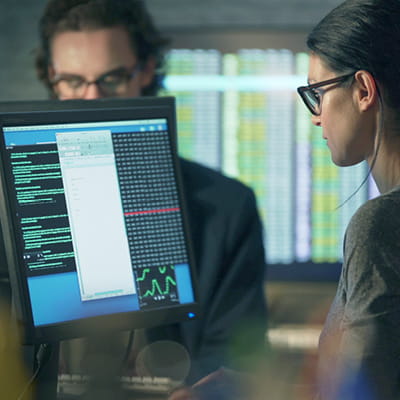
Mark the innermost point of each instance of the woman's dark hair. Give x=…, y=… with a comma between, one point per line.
x=363, y=34
x=75, y=15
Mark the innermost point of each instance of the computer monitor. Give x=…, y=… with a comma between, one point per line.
x=93, y=216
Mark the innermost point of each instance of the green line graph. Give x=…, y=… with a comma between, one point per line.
x=157, y=284
x=155, y=287
x=144, y=271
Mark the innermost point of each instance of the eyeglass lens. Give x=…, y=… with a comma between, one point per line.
x=312, y=100
x=312, y=96
x=110, y=84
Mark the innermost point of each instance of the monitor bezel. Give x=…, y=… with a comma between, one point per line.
x=55, y=111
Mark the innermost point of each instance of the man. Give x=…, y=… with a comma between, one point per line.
x=97, y=48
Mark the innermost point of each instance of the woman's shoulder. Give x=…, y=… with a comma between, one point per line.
x=378, y=215
x=372, y=246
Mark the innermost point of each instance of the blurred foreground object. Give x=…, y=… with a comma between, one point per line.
x=13, y=377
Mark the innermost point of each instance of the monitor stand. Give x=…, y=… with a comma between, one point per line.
x=103, y=365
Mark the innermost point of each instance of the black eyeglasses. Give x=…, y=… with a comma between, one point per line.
x=111, y=83
x=312, y=97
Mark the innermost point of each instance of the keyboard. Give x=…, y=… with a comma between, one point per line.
x=76, y=384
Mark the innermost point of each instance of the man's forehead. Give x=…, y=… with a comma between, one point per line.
x=92, y=51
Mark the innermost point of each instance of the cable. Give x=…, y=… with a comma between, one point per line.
x=128, y=347
x=380, y=133
x=42, y=356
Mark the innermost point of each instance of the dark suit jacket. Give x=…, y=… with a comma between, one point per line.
x=228, y=248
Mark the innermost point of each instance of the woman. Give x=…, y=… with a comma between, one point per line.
x=354, y=96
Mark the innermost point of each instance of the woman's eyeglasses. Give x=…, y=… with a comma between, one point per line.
x=111, y=83
x=312, y=94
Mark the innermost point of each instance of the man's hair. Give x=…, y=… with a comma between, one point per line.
x=76, y=15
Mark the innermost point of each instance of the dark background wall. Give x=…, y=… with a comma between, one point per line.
x=18, y=20
x=224, y=24
x=175, y=15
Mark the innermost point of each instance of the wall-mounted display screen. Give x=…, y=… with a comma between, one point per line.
x=240, y=113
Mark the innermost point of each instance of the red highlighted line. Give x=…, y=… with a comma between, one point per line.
x=152, y=211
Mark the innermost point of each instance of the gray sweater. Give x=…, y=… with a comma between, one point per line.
x=359, y=348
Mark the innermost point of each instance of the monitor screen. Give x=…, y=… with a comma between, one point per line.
x=93, y=216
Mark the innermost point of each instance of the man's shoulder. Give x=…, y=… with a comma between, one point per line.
x=201, y=178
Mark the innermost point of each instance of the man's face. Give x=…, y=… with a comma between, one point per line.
x=91, y=64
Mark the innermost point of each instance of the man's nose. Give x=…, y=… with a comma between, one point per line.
x=92, y=92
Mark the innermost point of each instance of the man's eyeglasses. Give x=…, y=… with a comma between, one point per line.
x=312, y=94
x=111, y=83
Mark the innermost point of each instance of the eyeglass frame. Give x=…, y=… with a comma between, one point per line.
x=301, y=90
x=130, y=74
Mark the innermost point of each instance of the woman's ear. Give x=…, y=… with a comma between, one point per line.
x=367, y=90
